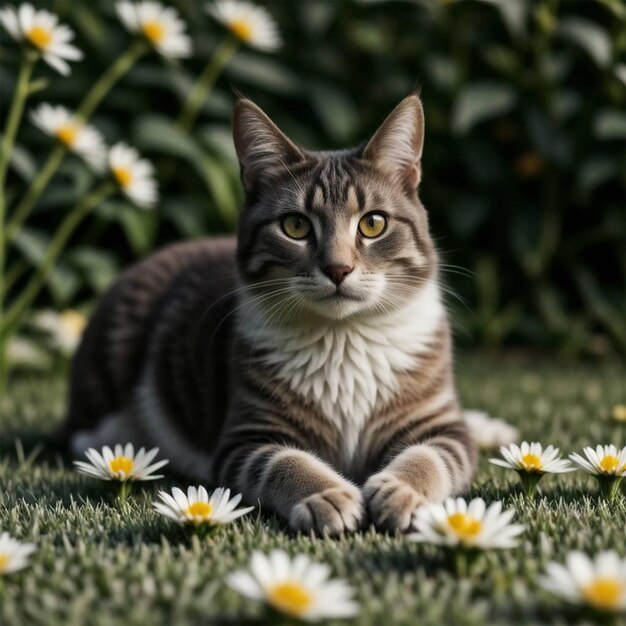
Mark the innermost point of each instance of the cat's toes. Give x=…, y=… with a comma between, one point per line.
x=390, y=501
x=333, y=510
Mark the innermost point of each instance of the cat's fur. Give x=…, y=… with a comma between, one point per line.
x=250, y=368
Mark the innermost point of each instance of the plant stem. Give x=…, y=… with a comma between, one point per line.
x=105, y=83
x=6, y=147
x=529, y=481
x=35, y=190
x=609, y=486
x=125, y=487
x=205, y=83
x=64, y=232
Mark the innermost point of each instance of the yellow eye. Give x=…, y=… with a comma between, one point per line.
x=296, y=226
x=373, y=225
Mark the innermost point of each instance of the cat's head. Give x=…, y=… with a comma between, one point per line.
x=333, y=234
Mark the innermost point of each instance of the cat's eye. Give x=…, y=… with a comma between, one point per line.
x=296, y=225
x=372, y=225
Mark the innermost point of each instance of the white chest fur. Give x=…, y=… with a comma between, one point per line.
x=349, y=369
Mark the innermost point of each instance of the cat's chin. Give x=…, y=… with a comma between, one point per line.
x=338, y=307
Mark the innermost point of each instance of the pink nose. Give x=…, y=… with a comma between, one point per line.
x=337, y=273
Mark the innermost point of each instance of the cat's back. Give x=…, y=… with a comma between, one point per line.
x=163, y=298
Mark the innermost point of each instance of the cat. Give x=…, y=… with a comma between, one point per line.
x=307, y=363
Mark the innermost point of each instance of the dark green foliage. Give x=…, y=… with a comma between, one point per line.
x=523, y=167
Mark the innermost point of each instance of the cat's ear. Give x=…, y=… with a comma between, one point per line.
x=262, y=148
x=396, y=147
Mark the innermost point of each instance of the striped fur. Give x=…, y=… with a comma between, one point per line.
x=328, y=402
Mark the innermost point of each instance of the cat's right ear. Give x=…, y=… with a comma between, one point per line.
x=262, y=148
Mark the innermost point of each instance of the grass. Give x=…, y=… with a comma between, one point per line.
x=101, y=563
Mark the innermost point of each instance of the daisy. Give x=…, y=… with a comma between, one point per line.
x=66, y=328
x=197, y=507
x=607, y=464
x=82, y=139
x=135, y=176
x=295, y=587
x=489, y=432
x=160, y=25
x=13, y=554
x=619, y=412
x=42, y=31
x=121, y=463
x=469, y=525
x=532, y=462
x=605, y=460
x=247, y=22
x=599, y=582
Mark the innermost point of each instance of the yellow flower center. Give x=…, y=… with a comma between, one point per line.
x=73, y=322
x=531, y=462
x=4, y=562
x=464, y=525
x=200, y=510
x=290, y=598
x=241, y=29
x=609, y=464
x=603, y=593
x=123, y=176
x=67, y=134
x=39, y=36
x=619, y=412
x=122, y=464
x=154, y=31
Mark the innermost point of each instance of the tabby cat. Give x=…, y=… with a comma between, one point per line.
x=306, y=364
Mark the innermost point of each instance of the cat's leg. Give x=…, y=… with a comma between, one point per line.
x=296, y=485
x=429, y=469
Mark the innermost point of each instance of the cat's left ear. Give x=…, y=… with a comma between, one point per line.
x=396, y=147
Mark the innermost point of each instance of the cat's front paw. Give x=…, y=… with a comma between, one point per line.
x=390, y=501
x=334, y=510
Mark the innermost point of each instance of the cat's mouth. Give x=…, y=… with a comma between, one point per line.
x=340, y=294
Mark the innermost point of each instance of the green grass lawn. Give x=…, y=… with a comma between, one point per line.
x=98, y=562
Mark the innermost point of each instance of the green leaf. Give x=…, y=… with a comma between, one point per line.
x=481, y=101
x=610, y=124
x=23, y=163
x=265, y=73
x=589, y=37
x=98, y=267
x=155, y=133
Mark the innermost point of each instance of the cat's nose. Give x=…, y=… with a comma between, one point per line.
x=337, y=273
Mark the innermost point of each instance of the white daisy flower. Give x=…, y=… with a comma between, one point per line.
x=13, y=554
x=470, y=525
x=160, y=25
x=78, y=137
x=599, y=582
x=247, y=22
x=135, y=176
x=296, y=587
x=198, y=507
x=532, y=458
x=121, y=463
x=489, y=432
x=66, y=328
x=604, y=460
x=41, y=29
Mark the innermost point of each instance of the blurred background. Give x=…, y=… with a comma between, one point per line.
x=524, y=170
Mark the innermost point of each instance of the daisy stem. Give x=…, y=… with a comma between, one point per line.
x=89, y=104
x=205, y=83
x=75, y=216
x=6, y=147
x=529, y=482
x=125, y=488
x=609, y=486
x=122, y=64
x=35, y=190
